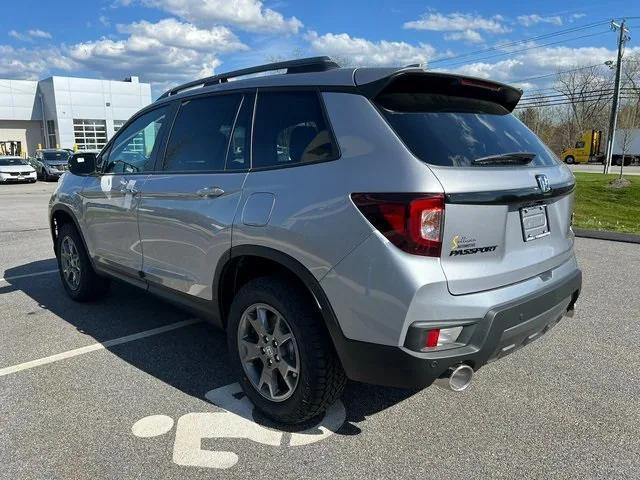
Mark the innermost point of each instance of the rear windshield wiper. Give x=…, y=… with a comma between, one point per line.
x=513, y=158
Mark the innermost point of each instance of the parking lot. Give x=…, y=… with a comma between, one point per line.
x=131, y=387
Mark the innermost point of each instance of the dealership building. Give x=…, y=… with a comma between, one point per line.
x=67, y=112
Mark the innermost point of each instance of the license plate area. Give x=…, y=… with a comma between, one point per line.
x=535, y=222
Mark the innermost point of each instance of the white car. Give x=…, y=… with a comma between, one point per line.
x=16, y=169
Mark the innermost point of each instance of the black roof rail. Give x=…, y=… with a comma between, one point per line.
x=300, y=65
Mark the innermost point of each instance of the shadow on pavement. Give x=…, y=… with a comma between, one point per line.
x=192, y=359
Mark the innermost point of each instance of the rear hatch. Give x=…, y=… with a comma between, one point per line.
x=509, y=200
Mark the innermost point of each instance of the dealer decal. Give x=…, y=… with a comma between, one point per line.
x=461, y=245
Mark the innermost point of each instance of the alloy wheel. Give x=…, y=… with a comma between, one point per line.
x=268, y=352
x=70, y=262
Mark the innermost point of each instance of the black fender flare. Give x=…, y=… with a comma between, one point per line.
x=69, y=212
x=299, y=270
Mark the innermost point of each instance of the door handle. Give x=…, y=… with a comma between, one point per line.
x=125, y=188
x=210, y=192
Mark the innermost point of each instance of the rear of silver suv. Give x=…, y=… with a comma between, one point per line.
x=392, y=226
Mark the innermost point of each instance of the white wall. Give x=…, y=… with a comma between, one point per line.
x=18, y=100
x=84, y=98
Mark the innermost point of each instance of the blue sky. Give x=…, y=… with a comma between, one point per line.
x=170, y=41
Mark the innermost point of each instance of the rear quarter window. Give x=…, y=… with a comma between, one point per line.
x=290, y=129
x=453, y=131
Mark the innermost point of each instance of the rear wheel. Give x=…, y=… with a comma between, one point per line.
x=282, y=352
x=79, y=279
x=570, y=160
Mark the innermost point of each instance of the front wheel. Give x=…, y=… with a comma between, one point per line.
x=570, y=160
x=79, y=279
x=282, y=351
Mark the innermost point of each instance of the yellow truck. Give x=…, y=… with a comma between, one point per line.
x=588, y=148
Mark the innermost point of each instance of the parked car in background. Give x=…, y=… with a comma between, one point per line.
x=389, y=225
x=50, y=163
x=16, y=169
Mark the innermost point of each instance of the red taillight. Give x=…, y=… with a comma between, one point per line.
x=412, y=222
x=432, y=338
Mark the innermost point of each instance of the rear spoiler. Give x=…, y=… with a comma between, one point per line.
x=375, y=82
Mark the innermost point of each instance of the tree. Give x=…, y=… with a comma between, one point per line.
x=629, y=122
x=587, y=92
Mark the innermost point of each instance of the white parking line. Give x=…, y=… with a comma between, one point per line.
x=96, y=346
x=15, y=277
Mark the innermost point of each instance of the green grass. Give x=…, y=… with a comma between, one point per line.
x=601, y=208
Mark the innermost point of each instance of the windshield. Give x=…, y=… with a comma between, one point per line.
x=11, y=161
x=60, y=156
x=454, y=131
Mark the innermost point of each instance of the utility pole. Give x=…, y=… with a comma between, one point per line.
x=623, y=37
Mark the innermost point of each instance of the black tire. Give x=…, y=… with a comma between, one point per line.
x=321, y=379
x=617, y=161
x=570, y=160
x=90, y=286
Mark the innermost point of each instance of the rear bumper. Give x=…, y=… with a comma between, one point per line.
x=505, y=328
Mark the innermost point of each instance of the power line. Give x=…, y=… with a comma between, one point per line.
x=513, y=52
x=519, y=107
x=594, y=95
x=524, y=40
x=568, y=95
x=556, y=73
x=587, y=96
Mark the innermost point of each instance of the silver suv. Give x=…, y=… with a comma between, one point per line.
x=392, y=226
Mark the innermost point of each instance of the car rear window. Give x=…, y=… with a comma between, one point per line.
x=453, y=131
x=61, y=155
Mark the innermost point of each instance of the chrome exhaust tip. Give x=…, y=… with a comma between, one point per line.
x=456, y=379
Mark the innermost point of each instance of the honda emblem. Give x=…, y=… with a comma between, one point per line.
x=543, y=183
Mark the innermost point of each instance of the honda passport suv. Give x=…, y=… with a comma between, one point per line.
x=392, y=226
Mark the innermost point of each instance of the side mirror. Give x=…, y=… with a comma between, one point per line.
x=82, y=163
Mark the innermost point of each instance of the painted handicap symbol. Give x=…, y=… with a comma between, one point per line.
x=236, y=421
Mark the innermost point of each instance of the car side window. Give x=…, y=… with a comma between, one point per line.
x=240, y=145
x=133, y=150
x=290, y=129
x=579, y=144
x=200, y=134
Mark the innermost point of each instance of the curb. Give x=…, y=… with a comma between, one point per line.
x=604, y=235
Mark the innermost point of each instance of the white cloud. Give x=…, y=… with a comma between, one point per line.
x=360, y=51
x=542, y=61
x=166, y=52
x=470, y=36
x=19, y=36
x=29, y=35
x=458, y=22
x=250, y=15
x=37, y=33
x=30, y=64
x=534, y=18
x=171, y=32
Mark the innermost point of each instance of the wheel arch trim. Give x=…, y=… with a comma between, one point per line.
x=294, y=266
x=66, y=210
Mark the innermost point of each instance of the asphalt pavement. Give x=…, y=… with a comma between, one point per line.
x=132, y=387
